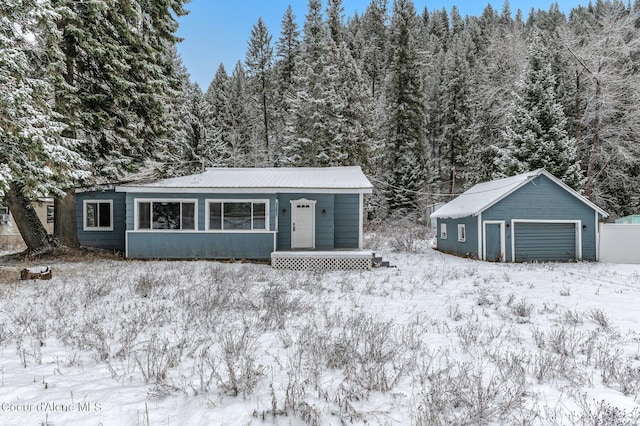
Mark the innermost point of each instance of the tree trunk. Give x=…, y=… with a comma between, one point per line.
x=593, y=150
x=64, y=226
x=26, y=218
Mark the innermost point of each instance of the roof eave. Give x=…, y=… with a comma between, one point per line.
x=242, y=190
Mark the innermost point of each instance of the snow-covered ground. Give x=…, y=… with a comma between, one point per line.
x=435, y=340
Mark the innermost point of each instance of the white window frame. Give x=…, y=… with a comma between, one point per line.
x=207, y=210
x=462, y=233
x=138, y=201
x=443, y=231
x=85, y=227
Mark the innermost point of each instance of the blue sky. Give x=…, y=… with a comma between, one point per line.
x=217, y=31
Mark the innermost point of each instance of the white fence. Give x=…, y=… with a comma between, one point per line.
x=619, y=243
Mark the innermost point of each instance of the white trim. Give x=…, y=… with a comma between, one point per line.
x=210, y=190
x=84, y=215
x=137, y=201
x=597, y=230
x=313, y=221
x=480, y=243
x=578, y=235
x=277, y=225
x=443, y=231
x=361, y=221
x=207, y=208
x=462, y=233
x=503, y=245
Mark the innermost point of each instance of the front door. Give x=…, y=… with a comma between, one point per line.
x=303, y=218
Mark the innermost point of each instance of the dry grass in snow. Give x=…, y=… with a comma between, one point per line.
x=438, y=340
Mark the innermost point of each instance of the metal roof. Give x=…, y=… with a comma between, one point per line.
x=484, y=195
x=260, y=180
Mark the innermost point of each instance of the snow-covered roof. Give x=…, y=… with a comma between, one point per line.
x=261, y=180
x=484, y=195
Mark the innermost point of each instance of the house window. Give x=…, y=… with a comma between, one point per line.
x=237, y=215
x=462, y=235
x=170, y=215
x=97, y=215
x=443, y=231
x=50, y=214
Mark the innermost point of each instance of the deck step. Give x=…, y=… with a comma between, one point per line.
x=377, y=262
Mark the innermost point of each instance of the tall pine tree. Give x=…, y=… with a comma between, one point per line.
x=407, y=158
x=536, y=133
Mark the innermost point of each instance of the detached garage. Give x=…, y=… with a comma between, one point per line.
x=532, y=217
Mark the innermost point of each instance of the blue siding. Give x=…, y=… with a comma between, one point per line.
x=469, y=248
x=108, y=240
x=324, y=220
x=543, y=199
x=347, y=221
x=199, y=245
x=336, y=226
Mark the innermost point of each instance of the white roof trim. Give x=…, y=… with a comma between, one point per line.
x=484, y=195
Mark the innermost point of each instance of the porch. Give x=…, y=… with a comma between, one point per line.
x=334, y=260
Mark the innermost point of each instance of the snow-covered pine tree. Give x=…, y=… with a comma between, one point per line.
x=287, y=54
x=36, y=160
x=219, y=120
x=306, y=122
x=118, y=76
x=287, y=48
x=242, y=153
x=335, y=21
x=375, y=40
x=259, y=61
x=455, y=105
x=536, y=133
x=406, y=154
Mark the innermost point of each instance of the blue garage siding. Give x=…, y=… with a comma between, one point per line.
x=543, y=199
x=108, y=240
x=347, y=221
x=451, y=244
x=199, y=245
x=324, y=225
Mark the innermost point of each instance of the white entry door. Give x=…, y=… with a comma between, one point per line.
x=303, y=219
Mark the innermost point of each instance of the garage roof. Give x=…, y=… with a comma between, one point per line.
x=484, y=195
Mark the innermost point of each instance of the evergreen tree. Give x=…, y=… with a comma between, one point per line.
x=219, y=121
x=306, y=122
x=118, y=75
x=405, y=110
x=455, y=104
x=335, y=21
x=238, y=133
x=259, y=61
x=536, y=133
x=288, y=48
x=375, y=43
x=36, y=160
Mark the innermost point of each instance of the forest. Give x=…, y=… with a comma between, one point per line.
x=427, y=102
